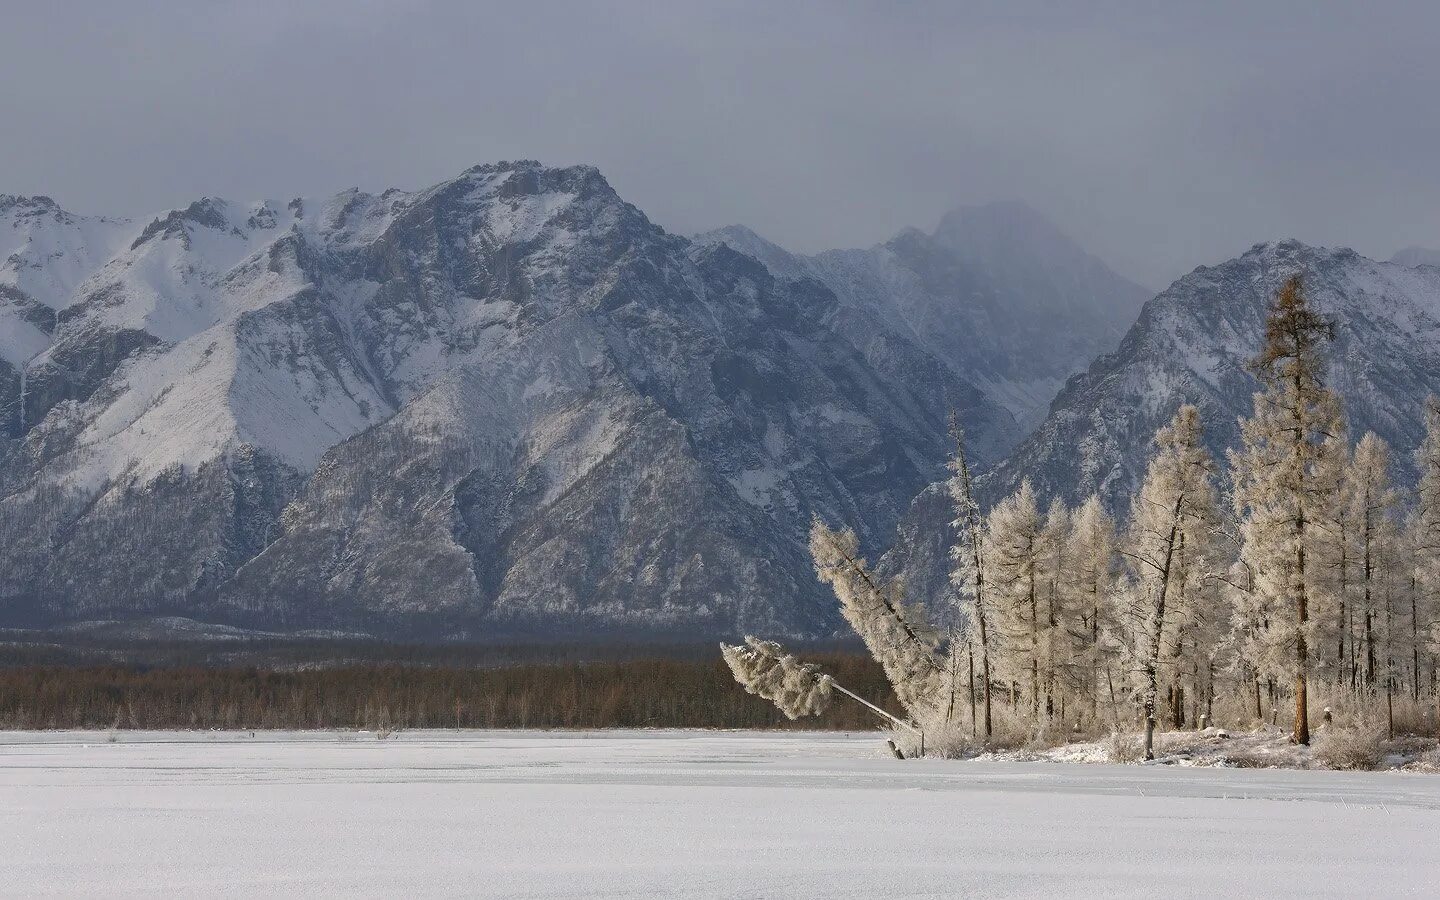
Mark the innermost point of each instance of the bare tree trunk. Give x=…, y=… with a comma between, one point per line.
x=1415, y=637
x=972, y=699
x=1301, y=733
x=985, y=667
x=1157, y=626
x=1114, y=704
x=1390, y=705
x=1034, y=639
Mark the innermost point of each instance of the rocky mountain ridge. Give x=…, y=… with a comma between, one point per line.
x=507, y=405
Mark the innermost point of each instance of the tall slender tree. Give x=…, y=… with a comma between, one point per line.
x=1371, y=508
x=1169, y=549
x=1284, y=481
x=1014, y=550
x=1092, y=584
x=967, y=573
x=1425, y=543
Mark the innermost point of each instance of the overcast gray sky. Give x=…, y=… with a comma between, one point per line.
x=1160, y=136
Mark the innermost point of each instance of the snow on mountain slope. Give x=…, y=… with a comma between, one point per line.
x=48, y=251
x=997, y=292
x=504, y=404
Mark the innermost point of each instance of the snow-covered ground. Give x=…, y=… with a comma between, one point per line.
x=677, y=813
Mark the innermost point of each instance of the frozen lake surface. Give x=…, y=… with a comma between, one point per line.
x=679, y=813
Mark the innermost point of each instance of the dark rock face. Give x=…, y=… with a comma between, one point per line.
x=508, y=405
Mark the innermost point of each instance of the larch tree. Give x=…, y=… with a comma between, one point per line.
x=767, y=670
x=967, y=574
x=1169, y=549
x=1371, y=507
x=1092, y=584
x=1014, y=552
x=1284, y=485
x=896, y=634
x=1057, y=610
x=1425, y=543
x=1335, y=555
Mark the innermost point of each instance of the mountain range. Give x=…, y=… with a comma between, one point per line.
x=509, y=406
x=504, y=405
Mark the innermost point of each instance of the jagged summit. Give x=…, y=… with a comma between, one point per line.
x=744, y=240
x=19, y=203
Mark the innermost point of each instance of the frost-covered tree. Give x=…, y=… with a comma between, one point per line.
x=1092, y=588
x=1284, y=483
x=1425, y=544
x=896, y=634
x=1336, y=563
x=1014, y=552
x=1371, y=506
x=797, y=688
x=967, y=573
x=1058, y=610
x=766, y=670
x=1170, y=551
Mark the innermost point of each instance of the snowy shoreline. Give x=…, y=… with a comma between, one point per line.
x=1213, y=748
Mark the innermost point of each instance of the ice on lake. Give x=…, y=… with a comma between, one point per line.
x=679, y=813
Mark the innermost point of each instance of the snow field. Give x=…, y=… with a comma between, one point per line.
x=674, y=813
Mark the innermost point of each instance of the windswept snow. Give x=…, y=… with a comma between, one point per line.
x=679, y=814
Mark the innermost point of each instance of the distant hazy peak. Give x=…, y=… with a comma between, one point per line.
x=1003, y=219
x=1012, y=230
x=1417, y=256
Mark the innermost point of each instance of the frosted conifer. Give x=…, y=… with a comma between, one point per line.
x=896, y=634
x=1170, y=548
x=1284, y=484
x=766, y=670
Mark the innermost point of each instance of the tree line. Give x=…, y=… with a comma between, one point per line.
x=387, y=696
x=1300, y=569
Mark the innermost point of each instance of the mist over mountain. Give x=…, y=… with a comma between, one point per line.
x=997, y=291
x=1417, y=256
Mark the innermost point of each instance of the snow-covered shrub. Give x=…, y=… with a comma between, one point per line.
x=1251, y=759
x=1429, y=761
x=1413, y=717
x=1351, y=747
x=952, y=741
x=1124, y=747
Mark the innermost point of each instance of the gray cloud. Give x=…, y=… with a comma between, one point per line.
x=1162, y=138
